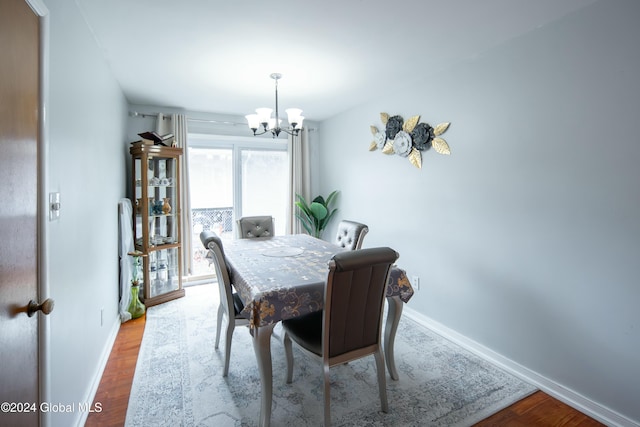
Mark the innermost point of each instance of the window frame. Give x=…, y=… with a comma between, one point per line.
x=237, y=144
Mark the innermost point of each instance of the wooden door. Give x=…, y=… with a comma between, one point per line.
x=19, y=101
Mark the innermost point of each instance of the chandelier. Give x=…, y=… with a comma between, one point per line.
x=262, y=118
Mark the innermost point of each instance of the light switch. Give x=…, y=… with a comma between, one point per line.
x=54, y=206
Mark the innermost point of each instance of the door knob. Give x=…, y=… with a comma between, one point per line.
x=46, y=307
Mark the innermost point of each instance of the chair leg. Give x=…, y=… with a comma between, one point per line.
x=219, y=325
x=382, y=380
x=327, y=396
x=227, y=349
x=288, y=351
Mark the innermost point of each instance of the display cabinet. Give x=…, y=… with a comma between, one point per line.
x=156, y=220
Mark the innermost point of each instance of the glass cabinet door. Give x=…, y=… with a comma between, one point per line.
x=158, y=202
x=156, y=225
x=163, y=271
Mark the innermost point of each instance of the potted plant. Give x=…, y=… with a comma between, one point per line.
x=315, y=216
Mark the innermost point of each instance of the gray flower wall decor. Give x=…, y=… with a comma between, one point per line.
x=408, y=138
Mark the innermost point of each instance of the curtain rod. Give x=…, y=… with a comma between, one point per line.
x=144, y=115
x=216, y=121
x=168, y=117
x=191, y=119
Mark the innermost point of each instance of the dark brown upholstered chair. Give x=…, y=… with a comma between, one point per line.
x=349, y=327
x=230, y=303
x=351, y=234
x=255, y=226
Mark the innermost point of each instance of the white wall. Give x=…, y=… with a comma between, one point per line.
x=87, y=119
x=526, y=238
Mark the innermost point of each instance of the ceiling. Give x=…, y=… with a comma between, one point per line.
x=217, y=56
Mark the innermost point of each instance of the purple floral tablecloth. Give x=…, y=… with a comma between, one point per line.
x=282, y=277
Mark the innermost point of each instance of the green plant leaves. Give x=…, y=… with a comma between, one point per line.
x=318, y=210
x=314, y=217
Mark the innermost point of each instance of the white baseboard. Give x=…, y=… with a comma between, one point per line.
x=558, y=391
x=102, y=364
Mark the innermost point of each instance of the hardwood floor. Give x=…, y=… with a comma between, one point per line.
x=539, y=409
x=115, y=385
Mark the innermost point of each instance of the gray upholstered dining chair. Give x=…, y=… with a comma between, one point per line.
x=230, y=303
x=351, y=234
x=255, y=226
x=350, y=325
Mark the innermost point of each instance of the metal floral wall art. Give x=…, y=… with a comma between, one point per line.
x=408, y=138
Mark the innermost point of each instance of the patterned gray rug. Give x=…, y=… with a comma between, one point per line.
x=178, y=379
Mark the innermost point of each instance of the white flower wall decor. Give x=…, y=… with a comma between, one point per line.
x=408, y=138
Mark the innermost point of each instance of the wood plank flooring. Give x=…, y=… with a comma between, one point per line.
x=115, y=385
x=539, y=409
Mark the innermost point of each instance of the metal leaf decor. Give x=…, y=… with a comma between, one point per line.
x=409, y=137
x=374, y=131
x=441, y=128
x=415, y=158
x=411, y=123
x=388, y=148
x=441, y=146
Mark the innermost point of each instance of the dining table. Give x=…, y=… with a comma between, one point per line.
x=282, y=277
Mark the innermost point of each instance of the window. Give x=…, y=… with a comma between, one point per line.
x=264, y=184
x=230, y=177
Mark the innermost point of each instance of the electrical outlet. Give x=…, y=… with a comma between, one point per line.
x=415, y=283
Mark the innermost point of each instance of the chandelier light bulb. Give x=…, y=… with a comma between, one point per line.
x=273, y=124
x=264, y=114
x=294, y=116
x=254, y=121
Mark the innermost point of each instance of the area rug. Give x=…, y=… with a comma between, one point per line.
x=178, y=379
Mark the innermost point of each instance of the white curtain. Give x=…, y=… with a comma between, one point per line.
x=125, y=213
x=164, y=125
x=177, y=125
x=299, y=177
x=180, y=132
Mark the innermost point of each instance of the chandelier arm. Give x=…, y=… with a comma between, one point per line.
x=293, y=132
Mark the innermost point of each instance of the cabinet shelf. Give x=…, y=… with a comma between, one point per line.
x=153, y=247
x=156, y=188
x=150, y=216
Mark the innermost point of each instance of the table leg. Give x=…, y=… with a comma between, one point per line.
x=262, y=348
x=391, y=326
